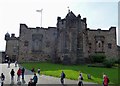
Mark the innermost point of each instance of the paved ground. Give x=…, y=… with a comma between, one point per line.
x=42, y=79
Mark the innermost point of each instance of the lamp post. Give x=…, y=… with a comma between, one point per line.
x=41, y=15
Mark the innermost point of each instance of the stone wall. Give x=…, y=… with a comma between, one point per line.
x=103, y=41
x=40, y=43
x=70, y=42
x=12, y=46
x=118, y=51
x=0, y=57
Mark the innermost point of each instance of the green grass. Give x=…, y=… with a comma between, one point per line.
x=72, y=71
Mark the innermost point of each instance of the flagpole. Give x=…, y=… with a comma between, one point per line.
x=41, y=18
x=41, y=15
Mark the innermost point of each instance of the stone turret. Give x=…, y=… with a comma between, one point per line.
x=7, y=36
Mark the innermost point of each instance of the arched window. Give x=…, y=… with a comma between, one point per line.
x=99, y=46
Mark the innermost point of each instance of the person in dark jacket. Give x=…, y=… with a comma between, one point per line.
x=33, y=70
x=12, y=74
x=62, y=77
x=23, y=71
x=35, y=79
x=2, y=79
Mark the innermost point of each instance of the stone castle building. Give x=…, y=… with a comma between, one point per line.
x=69, y=42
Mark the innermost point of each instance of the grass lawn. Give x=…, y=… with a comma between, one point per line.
x=72, y=71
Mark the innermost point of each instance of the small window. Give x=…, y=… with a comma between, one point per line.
x=109, y=45
x=26, y=43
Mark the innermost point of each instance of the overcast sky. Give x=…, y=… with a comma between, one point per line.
x=99, y=14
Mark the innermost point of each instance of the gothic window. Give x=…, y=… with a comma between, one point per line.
x=99, y=43
x=109, y=45
x=99, y=46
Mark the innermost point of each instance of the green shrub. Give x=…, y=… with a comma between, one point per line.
x=97, y=58
x=109, y=63
x=96, y=65
x=117, y=61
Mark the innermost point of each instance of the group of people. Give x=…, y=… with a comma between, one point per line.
x=9, y=62
x=80, y=79
x=33, y=70
x=33, y=81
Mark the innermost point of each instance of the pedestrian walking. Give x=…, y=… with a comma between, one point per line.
x=39, y=71
x=2, y=79
x=103, y=78
x=12, y=74
x=35, y=79
x=33, y=70
x=16, y=63
x=80, y=78
x=9, y=64
x=62, y=77
x=31, y=83
x=18, y=74
x=106, y=80
x=23, y=71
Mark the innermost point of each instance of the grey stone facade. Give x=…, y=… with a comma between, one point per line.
x=0, y=57
x=12, y=46
x=70, y=42
x=118, y=51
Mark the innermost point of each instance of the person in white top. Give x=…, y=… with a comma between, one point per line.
x=39, y=71
x=80, y=80
x=15, y=63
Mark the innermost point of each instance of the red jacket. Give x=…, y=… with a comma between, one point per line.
x=106, y=80
x=19, y=72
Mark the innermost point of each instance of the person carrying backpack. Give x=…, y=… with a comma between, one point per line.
x=62, y=77
x=80, y=78
x=35, y=79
